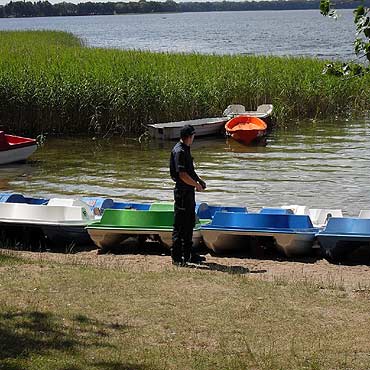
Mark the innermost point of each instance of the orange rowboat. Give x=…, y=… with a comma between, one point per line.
x=246, y=128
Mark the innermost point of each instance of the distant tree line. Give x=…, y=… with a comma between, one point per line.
x=46, y=9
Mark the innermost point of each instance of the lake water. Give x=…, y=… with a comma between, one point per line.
x=294, y=32
x=322, y=164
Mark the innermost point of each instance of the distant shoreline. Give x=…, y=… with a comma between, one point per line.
x=26, y=9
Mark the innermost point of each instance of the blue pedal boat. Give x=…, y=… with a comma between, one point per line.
x=228, y=231
x=206, y=211
x=343, y=236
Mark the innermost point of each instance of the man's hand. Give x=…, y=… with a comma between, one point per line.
x=199, y=187
x=202, y=184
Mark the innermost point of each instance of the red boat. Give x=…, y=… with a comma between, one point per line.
x=246, y=128
x=15, y=148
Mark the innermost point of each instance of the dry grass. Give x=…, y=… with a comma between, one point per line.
x=87, y=312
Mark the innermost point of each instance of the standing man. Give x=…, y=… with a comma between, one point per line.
x=183, y=173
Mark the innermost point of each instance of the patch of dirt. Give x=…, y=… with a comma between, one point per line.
x=348, y=276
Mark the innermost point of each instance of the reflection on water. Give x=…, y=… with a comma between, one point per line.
x=319, y=164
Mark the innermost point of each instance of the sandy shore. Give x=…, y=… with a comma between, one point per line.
x=350, y=276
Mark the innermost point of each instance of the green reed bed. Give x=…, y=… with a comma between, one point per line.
x=50, y=82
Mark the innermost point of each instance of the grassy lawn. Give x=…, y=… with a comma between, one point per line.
x=72, y=316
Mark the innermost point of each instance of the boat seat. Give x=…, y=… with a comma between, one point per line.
x=162, y=207
x=364, y=213
x=210, y=211
x=134, y=206
x=98, y=204
x=265, y=108
x=256, y=221
x=70, y=202
x=277, y=211
x=202, y=210
x=320, y=217
x=12, y=198
x=234, y=109
x=39, y=201
x=297, y=210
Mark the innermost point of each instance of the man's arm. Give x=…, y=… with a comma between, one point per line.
x=200, y=180
x=184, y=176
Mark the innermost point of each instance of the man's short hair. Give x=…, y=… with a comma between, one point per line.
x=187, y=131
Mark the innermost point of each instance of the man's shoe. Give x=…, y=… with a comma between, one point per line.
x=196, y=258
x=178, y=263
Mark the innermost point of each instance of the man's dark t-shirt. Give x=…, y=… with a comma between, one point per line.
x=182, y=161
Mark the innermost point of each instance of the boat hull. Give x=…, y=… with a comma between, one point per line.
x=338, y=247
x=60, y=224
x=107, y=238
x=246, y=129
x=342, y=236
x=117, y=225
x=247, y=137
x=16, y=154
x=67, y=235
x=289, y=243
x=291, y=234
x=203, y=127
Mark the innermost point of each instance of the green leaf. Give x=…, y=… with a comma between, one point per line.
x=326, y=10
x=325, y=7
x=359, y=12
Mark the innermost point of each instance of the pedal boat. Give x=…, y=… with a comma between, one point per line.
x=61, y=221
x=203, y=211
x=319, y=216
x=291, y=234
x=15, y=148
x=342, y=236
x=246, y=129
x=116, y=226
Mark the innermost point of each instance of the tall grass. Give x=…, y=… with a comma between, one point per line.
x=50, y=82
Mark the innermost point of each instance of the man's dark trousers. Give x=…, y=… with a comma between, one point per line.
x=184, y=222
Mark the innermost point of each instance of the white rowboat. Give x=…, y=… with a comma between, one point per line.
x=206, y=126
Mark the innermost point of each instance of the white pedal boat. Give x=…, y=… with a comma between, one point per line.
x=61, y=220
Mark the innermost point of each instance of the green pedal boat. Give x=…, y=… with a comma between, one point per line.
x=116, y=226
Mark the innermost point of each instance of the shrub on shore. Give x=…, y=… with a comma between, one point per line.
x=51, y=82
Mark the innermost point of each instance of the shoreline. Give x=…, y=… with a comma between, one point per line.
x=348, y=277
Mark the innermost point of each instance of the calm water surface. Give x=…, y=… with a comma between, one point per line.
x=323, y=164
x=293, y=32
